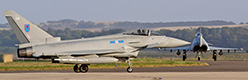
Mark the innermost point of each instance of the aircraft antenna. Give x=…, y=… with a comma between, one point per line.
x=200, y=29
x=200, y=26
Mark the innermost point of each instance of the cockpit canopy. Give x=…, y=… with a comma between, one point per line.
x=142, y=32
x=198, y=34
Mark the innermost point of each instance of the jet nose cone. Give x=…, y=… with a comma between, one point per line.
x=173, y=42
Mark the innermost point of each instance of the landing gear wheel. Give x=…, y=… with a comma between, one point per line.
x=215, y=57
x=83, y=68
x=184, y=55
x=199, y=58
x=129, y=70
x=76, y=68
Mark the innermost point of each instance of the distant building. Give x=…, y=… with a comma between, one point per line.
x=5, y=58
x=4, y=28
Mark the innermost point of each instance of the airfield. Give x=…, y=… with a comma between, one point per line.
x=128, y=76
x=217, y=70
x=228, y=67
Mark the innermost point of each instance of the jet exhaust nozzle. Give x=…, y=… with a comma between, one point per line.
x=25, y=52
x=200, y=48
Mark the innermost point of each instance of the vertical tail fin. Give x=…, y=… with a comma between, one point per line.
x=25, y=31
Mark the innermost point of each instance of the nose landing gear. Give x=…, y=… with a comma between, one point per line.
x=129, y=69
x=199, y=56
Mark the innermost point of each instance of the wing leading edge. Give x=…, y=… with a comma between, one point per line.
x=220, y=48
x=181, y=48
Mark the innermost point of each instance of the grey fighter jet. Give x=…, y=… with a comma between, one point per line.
x=200, y=45
x=36, y=43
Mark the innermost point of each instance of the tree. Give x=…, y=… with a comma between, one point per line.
x=241, y=23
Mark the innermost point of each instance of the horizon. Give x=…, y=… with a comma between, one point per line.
x=129, y=21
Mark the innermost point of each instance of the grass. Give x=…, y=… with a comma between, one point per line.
x=137, y=63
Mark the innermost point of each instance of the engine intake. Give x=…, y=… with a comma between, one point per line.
x=25, y=52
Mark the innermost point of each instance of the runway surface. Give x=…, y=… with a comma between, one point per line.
x=214, y=66
x=127, y=76
x=218, y=70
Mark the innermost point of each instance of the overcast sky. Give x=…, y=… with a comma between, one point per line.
x=128, y=10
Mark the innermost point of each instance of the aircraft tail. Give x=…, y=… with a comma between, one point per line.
x=25, y=31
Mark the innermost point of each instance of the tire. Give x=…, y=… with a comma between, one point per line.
x=129, y=70
x=215, y=58
x=83, y=68
x=214, y=55
x=184, y=57
x=199, y=58
x=76, y=68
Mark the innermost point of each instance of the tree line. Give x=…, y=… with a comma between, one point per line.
x=127, y=25
x=222, y=37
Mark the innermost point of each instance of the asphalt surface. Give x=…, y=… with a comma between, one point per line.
x=217, y=70
x=127, y=76
x=214, y=66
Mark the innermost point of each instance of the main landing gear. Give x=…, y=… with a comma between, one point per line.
x=199, y=54
x=184, y=55
x=83, y=68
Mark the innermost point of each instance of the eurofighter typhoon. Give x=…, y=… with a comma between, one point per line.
x=36, y=43
x=199, y=45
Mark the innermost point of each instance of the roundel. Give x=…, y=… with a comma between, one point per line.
x=27, y=27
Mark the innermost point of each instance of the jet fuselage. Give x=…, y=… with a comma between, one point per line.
x=128, y=44
x=199, y=44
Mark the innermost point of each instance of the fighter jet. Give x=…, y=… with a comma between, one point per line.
x=200, y=45
x=36, y=43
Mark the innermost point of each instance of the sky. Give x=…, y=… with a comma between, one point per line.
x=39, y=11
